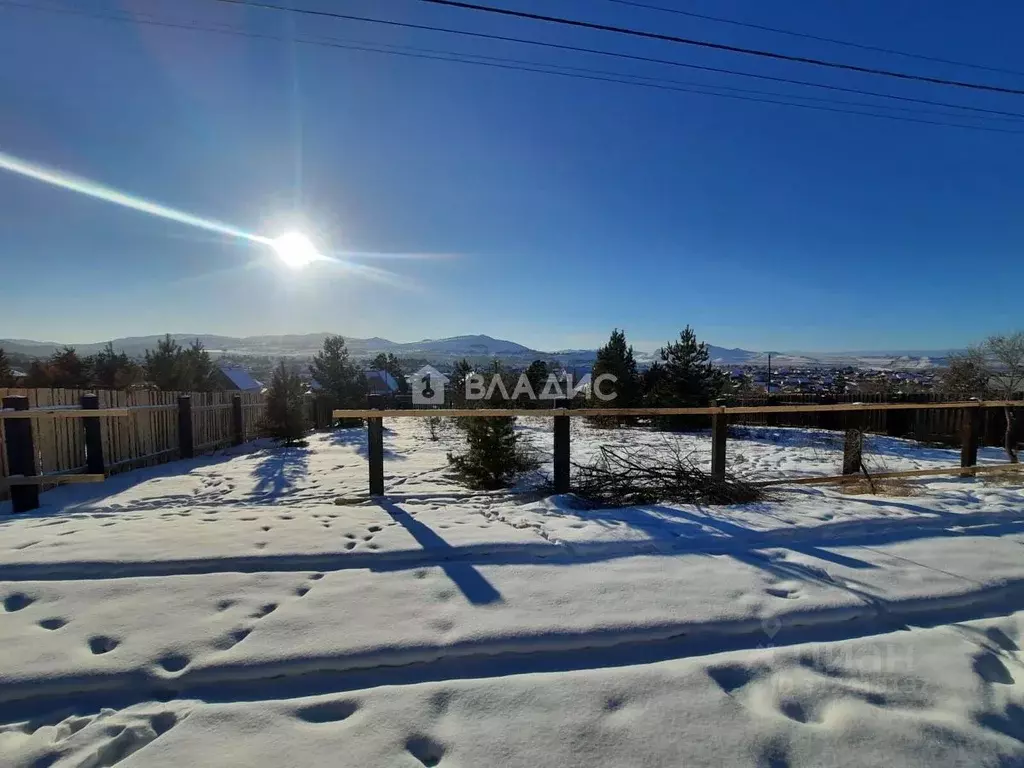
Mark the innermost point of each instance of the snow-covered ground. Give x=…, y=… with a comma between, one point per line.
x=255, y=609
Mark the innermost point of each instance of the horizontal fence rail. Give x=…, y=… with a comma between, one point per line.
x=970, y=430
x=711, y=410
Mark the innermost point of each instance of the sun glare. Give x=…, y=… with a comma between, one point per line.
x=295, y=250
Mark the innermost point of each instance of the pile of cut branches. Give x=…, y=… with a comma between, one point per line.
x=627, y=477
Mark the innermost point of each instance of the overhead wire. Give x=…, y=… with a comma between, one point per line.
x=706, y=44
x=541, y=68
x=616, y=54
x=819, y=38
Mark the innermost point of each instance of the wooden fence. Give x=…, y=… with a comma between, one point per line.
x=969, y=417
x=924, y=424
x=147, y=434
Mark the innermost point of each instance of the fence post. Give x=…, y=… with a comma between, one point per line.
x=94, y=464
x=853, y=451
x=896, y=420
x=562, y=452
x=21, y=455
x=771, y=419
x=186, y=448
x=829, y=419
x=237, y=421
x=719, y=433
x=970, y=429
x=375, y=448
x=375, y=453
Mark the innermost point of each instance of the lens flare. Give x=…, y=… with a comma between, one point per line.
x=294, y=249
x=110, y=195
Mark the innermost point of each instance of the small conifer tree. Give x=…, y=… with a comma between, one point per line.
x=286, y=407
x=495, y=455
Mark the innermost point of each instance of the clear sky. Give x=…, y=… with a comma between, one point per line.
x=555, y=208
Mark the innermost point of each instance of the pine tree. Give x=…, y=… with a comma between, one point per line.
x=68, y=370
x=651, y=384
x=114, y=370
x=39, y=375
x=495, y=456
x=616, y=358
x=196, y=368
x=390, y=364
x=286, y=407
x=537, y=374
x=6, y=372
x=688, y=379
x=164, y=366
x=337, y=375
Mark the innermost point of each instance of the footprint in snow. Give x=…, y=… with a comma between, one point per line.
x=100, y=644
x=265, y=610
x=327, y=712
x=425, y=749
x=17, y=601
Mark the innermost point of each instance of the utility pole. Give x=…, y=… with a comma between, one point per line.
x=769, y=373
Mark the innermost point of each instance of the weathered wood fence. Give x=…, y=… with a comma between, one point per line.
x=924, y=424
x=855, y=417
x=127, y=430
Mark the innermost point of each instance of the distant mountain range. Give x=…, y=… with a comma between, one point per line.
x=474, y=348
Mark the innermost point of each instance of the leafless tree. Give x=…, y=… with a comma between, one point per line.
x=967, y=375
x=433, y=426
x=1007, y=378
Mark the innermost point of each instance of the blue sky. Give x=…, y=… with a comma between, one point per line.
x=555, y=208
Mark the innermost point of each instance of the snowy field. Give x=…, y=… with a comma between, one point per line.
x=255, y=609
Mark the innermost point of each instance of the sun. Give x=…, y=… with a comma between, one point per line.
x=295, y=250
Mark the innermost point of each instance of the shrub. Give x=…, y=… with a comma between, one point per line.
x=286, y=407
x=495, y=454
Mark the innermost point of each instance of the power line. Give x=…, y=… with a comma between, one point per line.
x=534, y=67
x=706, y=44
x=617, y=55
x=808, y=36
x=997, y=114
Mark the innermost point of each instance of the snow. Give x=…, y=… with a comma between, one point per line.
x=255, y=608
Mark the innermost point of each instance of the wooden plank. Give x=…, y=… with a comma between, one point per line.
x=562, y=454
x=980, y=470
x=375, y=454
x=237, y=421
x=213, y=444
x=419, y=413
x=64, y=479
x=970, y=427
x=853, y=450
x=719, y=436
x=62, y=413
x=22, y=455
x=143, y=459
x=186, y=441
x=93, y=436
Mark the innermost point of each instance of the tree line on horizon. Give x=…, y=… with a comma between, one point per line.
x=169, y=367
